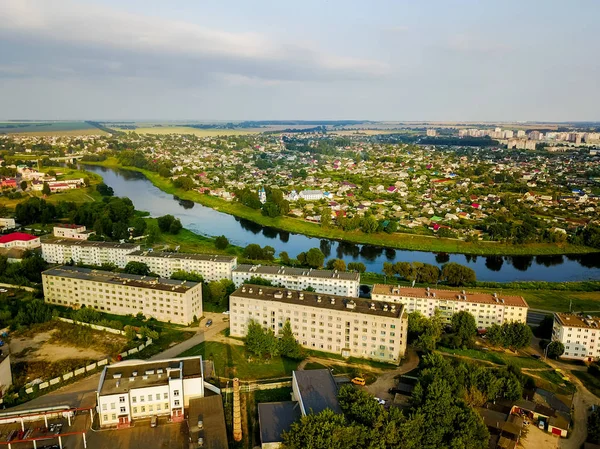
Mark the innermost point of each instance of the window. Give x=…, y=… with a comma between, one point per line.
x=112, y=406
x=149, y=397
x=133, y=399
x=175, y=392
x=121, y=398
x=122, y=410
x=134, y=409
x=143, y=409
x=105, y=417
x=114, y=416
x=176, y=402
x=166, y=396
x=158, y=396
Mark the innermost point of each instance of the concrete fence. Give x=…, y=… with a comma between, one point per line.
x=95, y=326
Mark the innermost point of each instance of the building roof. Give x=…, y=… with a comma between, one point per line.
x=257, y=270
x=310, y=299
x=132, y=280
x=167, y=255
x=210, y=409
x=275, y=418
x=69, y=226
x=17, y=236
x=448, y=295
x=575, y=320
x=318, y=390
x=71, y=242
x=129, y=375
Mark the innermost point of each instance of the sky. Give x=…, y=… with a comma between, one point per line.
x=435, y=60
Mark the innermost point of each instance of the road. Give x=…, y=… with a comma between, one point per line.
x=387, y=380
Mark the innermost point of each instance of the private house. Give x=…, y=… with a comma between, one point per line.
x=19, y=240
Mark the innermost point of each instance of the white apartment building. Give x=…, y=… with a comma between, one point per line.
x=579, y=334
x=7, y=223
x=348, y=326
x=137, y=389
x=487, y=308
x=211, y=267
x=86, y=252
x=322, y=281
x=123, y=294
x=72, y=231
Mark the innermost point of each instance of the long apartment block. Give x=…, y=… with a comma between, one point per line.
x=211, y=267
x=579, y=334
x=330, y=323
x=123, y=294
x=487, y=308
x=87, y=252
x=322, y=281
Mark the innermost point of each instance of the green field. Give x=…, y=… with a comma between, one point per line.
x=233, y=361
x=50, y=128
x=590, y=381
x=397, y=240
x=499, y=358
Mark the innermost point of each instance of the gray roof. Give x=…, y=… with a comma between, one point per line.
x=168, y=255
x=318, y=390
x=257, y=270
x=210, y=408
x=275, y=418
x=71, y=242
x=110, y=277
x=325, y=301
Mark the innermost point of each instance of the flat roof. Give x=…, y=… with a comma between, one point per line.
x=311, y=299
x=188, y=256
x=275, y=418
x=300, y=272
x=71, y=242
x=132, y=280
x=318, y=390
x=69, y=226
x=576, y=320
x=147, y=374
x=448, y=295
x=210, y=409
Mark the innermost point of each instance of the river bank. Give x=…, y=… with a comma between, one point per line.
x=397, y=240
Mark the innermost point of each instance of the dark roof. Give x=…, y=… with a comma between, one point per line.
x=71, y=242
x=310, y=299
x=275, y=418
x=210, y=408
x=318, y=390
x=552, y=400
x=168, y=255
x=257, y=270
x=132, y=280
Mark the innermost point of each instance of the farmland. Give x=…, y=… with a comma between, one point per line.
x=43, y=128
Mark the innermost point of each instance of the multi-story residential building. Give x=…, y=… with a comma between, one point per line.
x=72, y=231
x=123, y=294
x=487, y=308
x=7, y=223
x=19, y=240
x=86, y=252
x=579, y=334
x=331, y=323
x=211, y=267
x=132, y=390
x=322, y=281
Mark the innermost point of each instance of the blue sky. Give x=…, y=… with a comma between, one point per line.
x=237, y=60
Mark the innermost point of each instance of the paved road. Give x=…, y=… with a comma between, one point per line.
x=387, y=380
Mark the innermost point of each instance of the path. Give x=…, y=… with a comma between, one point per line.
x=387, y=380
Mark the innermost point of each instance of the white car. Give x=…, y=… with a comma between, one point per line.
x=226, y=312
x=3, y=290
x=380, y=401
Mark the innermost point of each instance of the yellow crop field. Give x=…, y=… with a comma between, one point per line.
x=161, y=130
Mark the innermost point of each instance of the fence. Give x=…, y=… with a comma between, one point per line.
x=95, y=326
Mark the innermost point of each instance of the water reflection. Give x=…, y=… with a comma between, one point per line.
x=325, y=246
x=521, y=263
x=390, y=253
x=186, y=204
x=248, y=225
x=442, y=258
x=371, y=252
x=550, y=260
x=494, y=263
x=270, y=233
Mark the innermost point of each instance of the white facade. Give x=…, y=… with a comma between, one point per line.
x=351, y=327
x=211, y=267
x=322, y=281
x=7, y=223
x=135, y=389
x=76, y=232
x=19, y=240
x=86, y=252
x=5, y=372
x=166, y=300
x=311, y=195
x=487, y=308
x=579, y=335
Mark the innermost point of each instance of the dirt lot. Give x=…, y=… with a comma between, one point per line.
x=535, y=438
x=39, y=348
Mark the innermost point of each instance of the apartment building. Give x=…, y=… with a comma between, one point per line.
x=123, y=294
x=487, y=308
x=72, y=231
x=579, y=334
x=19, y=240
x=330, y=323
x=322, y=281
x=211, y=267
x=86, y=252
x=132, y=390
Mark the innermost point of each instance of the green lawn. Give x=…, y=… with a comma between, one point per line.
x=498, y=358
x=590, y=381
x=233, y=361
x=552, y=381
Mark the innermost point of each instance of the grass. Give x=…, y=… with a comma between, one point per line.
x=552, y=381
x=498, y=358
x=590, y=381
x=351, y=360
x=162, y=130
x=233, y=361
x=397, y=240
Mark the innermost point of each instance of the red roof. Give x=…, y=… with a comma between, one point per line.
x=17, y=236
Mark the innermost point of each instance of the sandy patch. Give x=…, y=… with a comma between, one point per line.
x=38, y=348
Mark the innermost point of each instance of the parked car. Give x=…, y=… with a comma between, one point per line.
x=209, y=323
x=3, y=290
x=380, y=401
x=153, y=421
x=358, y=381
x=200, y=442
x=1, y=343
x=226, y=312
x=200, y=423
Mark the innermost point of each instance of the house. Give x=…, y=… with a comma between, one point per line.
x=7, y=223
x=19, y=240
x=72, y=231
x=311, y=195
x=392, y=189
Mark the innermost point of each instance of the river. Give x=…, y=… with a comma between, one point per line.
x=206, y=221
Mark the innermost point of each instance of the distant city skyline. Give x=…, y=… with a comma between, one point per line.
x=150, y=60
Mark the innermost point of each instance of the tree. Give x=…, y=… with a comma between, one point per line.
x=164, y=222
x=253, y=252
x=104, y=189
x=221, y=242
x=175, y=227
x=46, y=188
x=464, y=327
x=510, y=335
x=432, y=333
x=23, y=185
x=315, y=258
x=284, y=257
x=257, y=280
x=388, y=269
x=336, y=264
x=593, y=427
x=544, y=329
x=139, y=226
x=458, y=275
x=555, y=349
x=357, y=266
x=192, y=276
x=260, y=342
x=325, y=430
x=139, y=268
x=326, y=217
x=391, y=227
x=288, y=346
